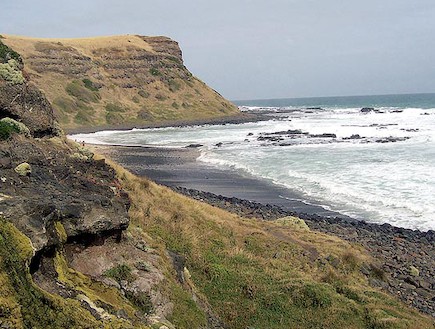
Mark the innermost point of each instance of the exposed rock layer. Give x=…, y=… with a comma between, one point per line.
x=117, y=81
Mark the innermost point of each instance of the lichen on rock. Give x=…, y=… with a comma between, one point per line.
x=293, y=222
x=23, y=169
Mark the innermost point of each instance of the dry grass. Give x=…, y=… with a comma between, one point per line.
x=112, y=64
x=261, y=274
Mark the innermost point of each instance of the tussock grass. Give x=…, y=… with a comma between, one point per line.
x=147, y=99
x=264, y=274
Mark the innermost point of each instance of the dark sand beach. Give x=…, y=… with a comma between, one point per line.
x=395, y=250
x=178, y=167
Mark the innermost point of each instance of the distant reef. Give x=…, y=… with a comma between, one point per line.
x=118, y=81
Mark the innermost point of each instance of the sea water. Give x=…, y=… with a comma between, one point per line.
x=377, y=166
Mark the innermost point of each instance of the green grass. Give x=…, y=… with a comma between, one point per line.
x=89, y=84
x=120, y=273
x=262, y=274
x=7, y=129
x=78, y=90
x=155, y=72
x=7, y=53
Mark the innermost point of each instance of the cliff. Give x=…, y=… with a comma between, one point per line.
x=86, y=244
x=120, y=81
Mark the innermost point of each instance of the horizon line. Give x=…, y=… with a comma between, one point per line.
x=344, y=96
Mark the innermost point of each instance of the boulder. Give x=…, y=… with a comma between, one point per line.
x=23, y=169
x=414, y=271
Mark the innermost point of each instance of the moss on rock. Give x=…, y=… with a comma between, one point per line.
x=16, y=126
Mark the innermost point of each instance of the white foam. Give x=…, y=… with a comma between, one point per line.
x=392, y=182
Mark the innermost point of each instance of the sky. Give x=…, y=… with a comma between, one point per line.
x=256, y=49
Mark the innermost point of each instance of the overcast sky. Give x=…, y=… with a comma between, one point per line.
x=250, y=49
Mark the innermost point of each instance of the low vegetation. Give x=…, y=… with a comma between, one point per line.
x=82, y=93
x=90, y=85
x=153, y=86
x=260, y=274
x=120, y=273
x=11, y=72
x=6, y=130
x=7, y=54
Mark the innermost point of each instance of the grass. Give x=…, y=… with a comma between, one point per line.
x=78, y=90
x=167, y=79
x=6, y=54
x=263, y=274
x=89, y=84
x=7, y=129
x=120, y=273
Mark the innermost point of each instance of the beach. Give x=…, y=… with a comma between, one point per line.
x=395, y=250
x=178, y=167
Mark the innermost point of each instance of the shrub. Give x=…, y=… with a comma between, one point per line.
x=174, y=85
x=23, y=169
x=144, y=114
x=119, y=273
x=10, y=72
x=161, y=97
x=114, y=118
x=89, y=84
x=114, y=108
x=6, y=130
x=155, y=71
x=143, y=93
x=312, y=295
x=7, y=54
x=77, y=90
x=82, y=117
x=141, y=301
x=18, y=127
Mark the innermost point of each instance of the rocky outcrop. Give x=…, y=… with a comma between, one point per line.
x=80, y=193
x=27, y=104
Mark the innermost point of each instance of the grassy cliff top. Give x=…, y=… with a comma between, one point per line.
x=117, y=81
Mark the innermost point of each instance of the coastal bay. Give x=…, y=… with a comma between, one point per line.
x=397, y=250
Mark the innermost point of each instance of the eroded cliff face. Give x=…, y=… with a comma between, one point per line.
x=65, y=258
x=117, y=81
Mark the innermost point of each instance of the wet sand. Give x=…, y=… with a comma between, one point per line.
x=178, y=167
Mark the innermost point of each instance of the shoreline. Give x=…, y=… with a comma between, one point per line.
x=234, y=119
x=178, y=167
x=395, y=250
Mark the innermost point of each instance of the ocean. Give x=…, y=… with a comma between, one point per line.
x=376, y=164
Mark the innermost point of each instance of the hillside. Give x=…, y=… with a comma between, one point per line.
x=117, y=81
x=86, y=244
